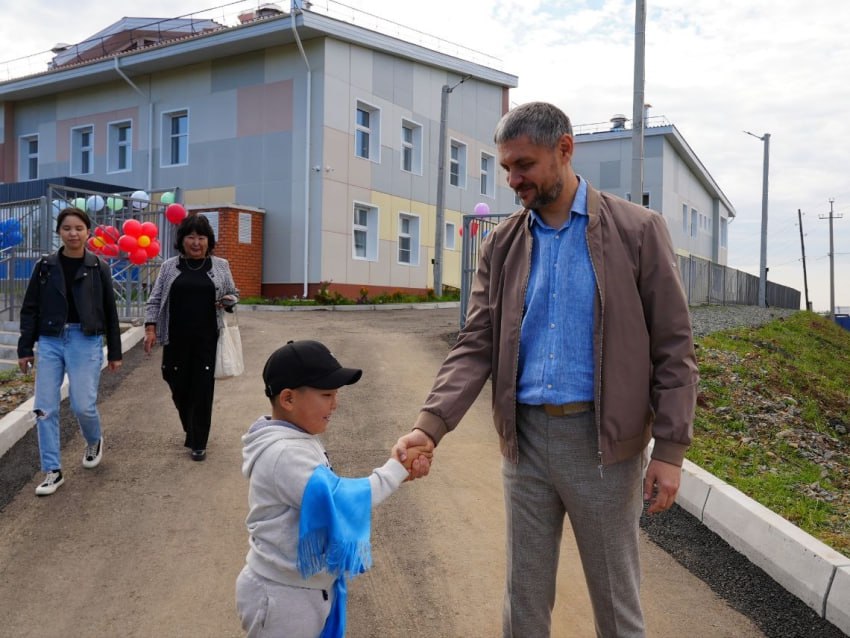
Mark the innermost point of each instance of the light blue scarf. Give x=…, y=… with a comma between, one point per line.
x=333, y=535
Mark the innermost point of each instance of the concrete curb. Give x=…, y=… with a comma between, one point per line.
x=815, y=573
x=804, y=566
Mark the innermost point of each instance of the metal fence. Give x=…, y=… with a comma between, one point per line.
x=705, y=282
x=27, y=232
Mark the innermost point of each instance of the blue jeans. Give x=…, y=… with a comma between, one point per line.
x=81, y=357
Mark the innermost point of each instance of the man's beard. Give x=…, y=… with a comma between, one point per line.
x=549, y=196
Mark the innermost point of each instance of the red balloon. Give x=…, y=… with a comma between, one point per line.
x=138, y=256
x=473, y=227
x=128, y=243
x=175, y=213
x=92, y=246
x=109, y=250
x=460, y=231
x=149, y=229
x=132, y=227
x=109, y=234
x=152, y=249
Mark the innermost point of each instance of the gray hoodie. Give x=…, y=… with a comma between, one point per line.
x=278, y=460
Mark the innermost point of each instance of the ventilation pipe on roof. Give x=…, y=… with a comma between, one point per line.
x=618, y=122
x=292, y=16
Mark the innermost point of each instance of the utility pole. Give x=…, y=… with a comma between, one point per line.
x=831, y=216
x=803, y=249
x=763, y=253
x=439, y=222
x=638, y=102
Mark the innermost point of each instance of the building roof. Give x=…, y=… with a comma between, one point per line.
x=187, y=47
x=587, y=133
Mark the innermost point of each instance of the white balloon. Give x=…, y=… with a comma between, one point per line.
x=59, y=205
x=94, y=203
x=140, y=199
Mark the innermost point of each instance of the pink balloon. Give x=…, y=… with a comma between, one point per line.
x=175, y=213
x=481, y=208
x=132, y=227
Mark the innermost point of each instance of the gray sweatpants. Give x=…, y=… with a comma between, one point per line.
x=558, y=474
x=270, y=610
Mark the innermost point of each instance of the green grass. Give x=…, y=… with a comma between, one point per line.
x=773, y=416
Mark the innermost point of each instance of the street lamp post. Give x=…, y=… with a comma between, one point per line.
x=763, y=257
x=440, y=216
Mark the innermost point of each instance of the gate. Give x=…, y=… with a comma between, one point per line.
x=27, y=231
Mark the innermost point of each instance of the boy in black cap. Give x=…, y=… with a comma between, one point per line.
x=309, y=529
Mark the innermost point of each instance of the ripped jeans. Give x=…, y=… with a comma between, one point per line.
x=81, y=357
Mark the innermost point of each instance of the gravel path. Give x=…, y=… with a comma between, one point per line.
x=731, y=575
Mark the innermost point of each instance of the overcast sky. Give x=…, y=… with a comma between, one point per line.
x=714, y=69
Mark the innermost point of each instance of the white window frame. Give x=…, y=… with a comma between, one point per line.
x=411, y=148
x=488, y=175
x=369, y=230
x=372, y=132
x=167, y=155
x=82, y=150
x=450, y=238
x=117, y=146
x=457, y=163
x=408, y=233
x=29, y=159
x=694, y=222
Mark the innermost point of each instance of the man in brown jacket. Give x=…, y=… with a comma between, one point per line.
x=578, y=316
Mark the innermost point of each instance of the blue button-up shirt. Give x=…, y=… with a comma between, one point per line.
x=556, y=338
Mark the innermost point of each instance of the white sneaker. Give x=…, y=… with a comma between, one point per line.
x=51, y=483
x=93, y=454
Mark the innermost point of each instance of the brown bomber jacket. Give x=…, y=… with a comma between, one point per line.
x=646, y=373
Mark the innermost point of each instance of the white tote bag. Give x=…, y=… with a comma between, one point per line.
x=228, y=354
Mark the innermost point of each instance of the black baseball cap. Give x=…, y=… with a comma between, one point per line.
x=305, y=363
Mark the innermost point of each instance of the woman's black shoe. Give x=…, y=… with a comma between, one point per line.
x=199, y=455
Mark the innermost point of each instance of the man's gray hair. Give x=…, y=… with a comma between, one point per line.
x=543, y=123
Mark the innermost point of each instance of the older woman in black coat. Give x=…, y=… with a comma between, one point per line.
x=185, y=312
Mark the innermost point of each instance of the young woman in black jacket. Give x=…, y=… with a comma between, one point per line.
x=68, y=307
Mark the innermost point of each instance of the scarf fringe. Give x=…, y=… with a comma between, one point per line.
x=345, y=560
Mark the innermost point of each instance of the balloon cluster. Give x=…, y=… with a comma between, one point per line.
x=104, y=241
x=10, y=233
x=139, y=241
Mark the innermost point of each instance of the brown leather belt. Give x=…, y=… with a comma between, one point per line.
x=565, y=409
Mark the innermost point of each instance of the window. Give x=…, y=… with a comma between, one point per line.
x=645, y=202
x=120, y=139
x=365, y=232
x=82, y=149
x=367, y=132
x=685, y=219
x=29, y=157
x=175, y=138
x=408, y=239
x=723, y=232
x=411, y=147
x=457, y=164
x=694, y=222
x=488, y=175
x=449, y=239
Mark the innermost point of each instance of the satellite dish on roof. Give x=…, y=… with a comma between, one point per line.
x=60, y=46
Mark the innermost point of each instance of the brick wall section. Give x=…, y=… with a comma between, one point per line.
x=246, y=260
